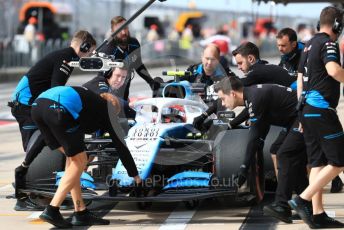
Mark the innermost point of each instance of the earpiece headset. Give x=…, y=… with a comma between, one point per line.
x=337, y=26
x=108, y=73
x=85, y=45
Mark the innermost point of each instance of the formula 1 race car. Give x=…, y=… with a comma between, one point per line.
x=176, y=161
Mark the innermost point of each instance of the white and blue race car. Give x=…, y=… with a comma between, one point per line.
x=176, y=161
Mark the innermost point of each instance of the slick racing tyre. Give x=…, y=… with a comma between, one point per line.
x=230, y=147
x=41, y=170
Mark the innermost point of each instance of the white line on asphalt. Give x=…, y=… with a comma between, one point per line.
x=193, y=224
x=35, y=215
x=331, y=213
x=178, y=219
x=5, y=187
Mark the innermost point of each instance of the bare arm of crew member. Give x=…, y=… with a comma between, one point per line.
x=299, y=84
x=335, y=70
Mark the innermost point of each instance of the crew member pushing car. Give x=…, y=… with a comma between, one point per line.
x=64, y=114
x=52, y=70
x=270, y=104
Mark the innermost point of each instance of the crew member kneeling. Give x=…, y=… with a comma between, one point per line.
x=64, y=114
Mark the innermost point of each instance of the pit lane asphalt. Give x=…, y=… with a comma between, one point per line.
x=219, y=213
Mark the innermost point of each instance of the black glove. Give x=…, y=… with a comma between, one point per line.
x=155, y=85
x=198, y=121
x=241, y=176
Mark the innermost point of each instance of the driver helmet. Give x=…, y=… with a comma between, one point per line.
x=174, y=114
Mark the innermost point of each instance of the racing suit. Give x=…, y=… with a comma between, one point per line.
x=131, y=54
x=271, y=104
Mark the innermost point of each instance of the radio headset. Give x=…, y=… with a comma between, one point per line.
x=85, y=45
x=337, y=26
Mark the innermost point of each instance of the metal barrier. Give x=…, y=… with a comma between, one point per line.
x=19, y=54
x=15, y=54
x=164, y=50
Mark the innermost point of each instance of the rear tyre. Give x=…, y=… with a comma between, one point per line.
x=191, y=205
x=41, y=170
x=230, y=148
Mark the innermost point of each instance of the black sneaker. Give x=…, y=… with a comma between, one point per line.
x=279, y=211
x=87, y=218
x=26, y=204
x=304, y=209
x=295, y=216
x=336, y=185
x=53, y=216
x=324, y=221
